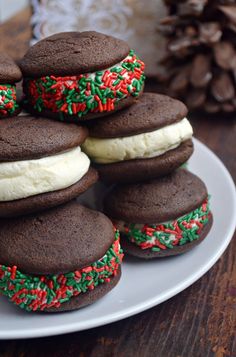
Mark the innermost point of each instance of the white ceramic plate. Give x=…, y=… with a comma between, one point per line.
x=143, y=284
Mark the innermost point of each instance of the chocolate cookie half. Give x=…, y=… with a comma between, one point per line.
x=150, y=139
x=75, y=76
x=10, y=73
x=74, y=252
x=163, y=217
x=41, y=164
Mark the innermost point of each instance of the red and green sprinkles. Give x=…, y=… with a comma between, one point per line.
x=164, y=236
x=87, y=93
x=39, y=292
x=8, y=104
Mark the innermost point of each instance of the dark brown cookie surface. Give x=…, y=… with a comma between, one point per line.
x=59, y=240
x=136, y=251
x=9, y=71
x=26, y=137
x=156, y=201
x=47, y=200
x=150, y=112
x=73, y=53
x=89, y=297
x=145, y=169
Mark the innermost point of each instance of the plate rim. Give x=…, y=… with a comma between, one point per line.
x=147, y=304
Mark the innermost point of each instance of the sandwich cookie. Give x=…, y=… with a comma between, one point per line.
x=150, y=139
x=163, y=217
x=41, y=164
x=58, y=260
x=10, y=73
x=75, y=76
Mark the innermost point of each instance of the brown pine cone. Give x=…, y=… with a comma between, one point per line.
x=201, y=58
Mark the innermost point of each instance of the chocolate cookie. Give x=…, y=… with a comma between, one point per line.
x=41, y=164
x=10, y=73
x=163, y=217
x=76, y=76
x=27, y=137
x=83, y=300
x=68, y=53
x=139, y=170
x=150, y=139
x=73, y=250
x=152, y=111
x=46, y=200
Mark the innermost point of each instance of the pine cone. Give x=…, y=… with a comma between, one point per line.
x=201, y=53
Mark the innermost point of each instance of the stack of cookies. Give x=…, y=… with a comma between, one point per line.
x=55, y=254
x=159, y=208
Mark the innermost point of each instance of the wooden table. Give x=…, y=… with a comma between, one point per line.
x=200, y=321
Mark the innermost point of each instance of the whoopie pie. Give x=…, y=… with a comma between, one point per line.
x=162, y=217
x=41, y=164
x=75, y=76
x=60, y=259
x=149, y=139
x=10, y=73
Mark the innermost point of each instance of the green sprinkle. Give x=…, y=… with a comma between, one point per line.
x=170, y=234
x=86, y=89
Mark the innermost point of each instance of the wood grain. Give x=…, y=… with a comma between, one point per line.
x=200, y=321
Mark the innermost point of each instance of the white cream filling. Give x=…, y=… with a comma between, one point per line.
x=21, y=179
x=119, y=64
x=145, y=145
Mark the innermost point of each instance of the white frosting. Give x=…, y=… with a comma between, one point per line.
x=145, y=145
x=21, y=179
